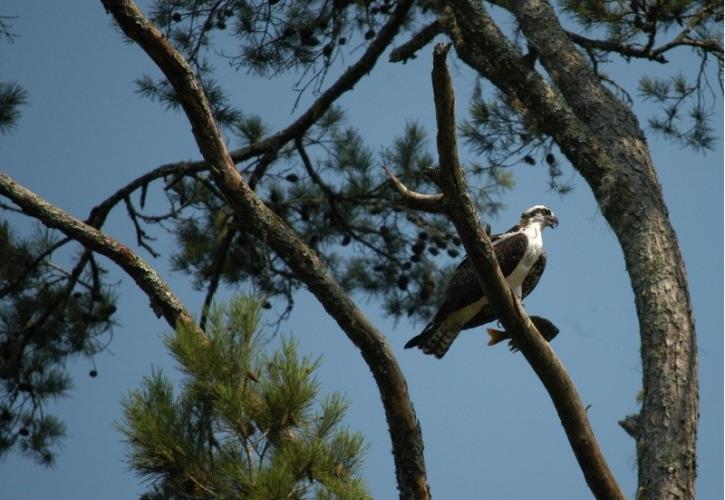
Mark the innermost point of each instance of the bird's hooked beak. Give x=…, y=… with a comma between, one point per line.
x=552, y=221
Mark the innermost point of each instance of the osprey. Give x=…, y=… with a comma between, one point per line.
x=521, y=257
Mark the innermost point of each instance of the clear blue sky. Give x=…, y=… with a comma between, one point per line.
x=487, y=421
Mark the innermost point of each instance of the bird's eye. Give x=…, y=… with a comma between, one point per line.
x=546, y=211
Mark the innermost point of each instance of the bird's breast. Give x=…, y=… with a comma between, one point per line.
x=533, y=251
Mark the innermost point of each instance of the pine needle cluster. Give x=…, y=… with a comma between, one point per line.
x=47, y=316
x=245, y=422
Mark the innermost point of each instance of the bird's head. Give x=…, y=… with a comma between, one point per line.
x=539, y=214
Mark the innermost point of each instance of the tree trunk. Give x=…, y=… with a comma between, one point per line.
x=602, y=138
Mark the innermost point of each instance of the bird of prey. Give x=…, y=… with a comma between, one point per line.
x=521, y=257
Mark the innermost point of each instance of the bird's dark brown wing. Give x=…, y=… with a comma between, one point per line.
x=464, y=288
x=510, y=251
x=486, y=315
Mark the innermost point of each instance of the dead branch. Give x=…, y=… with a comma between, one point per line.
x=508, y=309
x=229, y=232
x=432, y=203
x=409, y=49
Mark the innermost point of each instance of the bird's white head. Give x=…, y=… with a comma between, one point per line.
x=541, y=215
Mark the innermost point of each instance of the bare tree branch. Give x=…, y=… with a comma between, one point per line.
x=508, y=309
x=409, y=49
x=622, y=48
x=229, y=232
x=100, y=212
x=432, y=203
x=163, y=301
x=254, y=216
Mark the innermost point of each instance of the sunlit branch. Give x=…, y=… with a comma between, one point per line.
x=163, y=301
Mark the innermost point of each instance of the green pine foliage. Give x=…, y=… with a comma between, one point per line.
x=499, y=132
x=12, y=96
x=46, y=317
x=246, y=421
x=684, y=101
x=681, y=118
x=338, y=199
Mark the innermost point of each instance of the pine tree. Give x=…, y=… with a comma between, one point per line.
x=246, y=420
x=545, y=98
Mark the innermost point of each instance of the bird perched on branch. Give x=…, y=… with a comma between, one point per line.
x=521, y=257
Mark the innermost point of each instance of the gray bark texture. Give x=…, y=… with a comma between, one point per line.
x=602, y=138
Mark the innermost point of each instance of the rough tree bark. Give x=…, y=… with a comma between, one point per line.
x=602, y=138
x=255, y=217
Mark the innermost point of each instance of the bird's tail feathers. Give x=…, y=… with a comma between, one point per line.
x=434, y=339
x=415, y=341
x=496, y=336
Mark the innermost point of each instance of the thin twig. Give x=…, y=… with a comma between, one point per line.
x=217, y=267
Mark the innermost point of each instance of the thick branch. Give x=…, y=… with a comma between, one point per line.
x=482, y=45
x=163, y=301
x=602, y=139
x=507, y=308
x=631, y=199
x=254, y=216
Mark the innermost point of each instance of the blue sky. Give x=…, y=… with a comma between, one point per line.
x=487, y=421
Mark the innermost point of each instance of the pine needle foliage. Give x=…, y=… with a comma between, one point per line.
x=634, y=29
x=245, y=422
x=12, y=95
x=47, y=316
